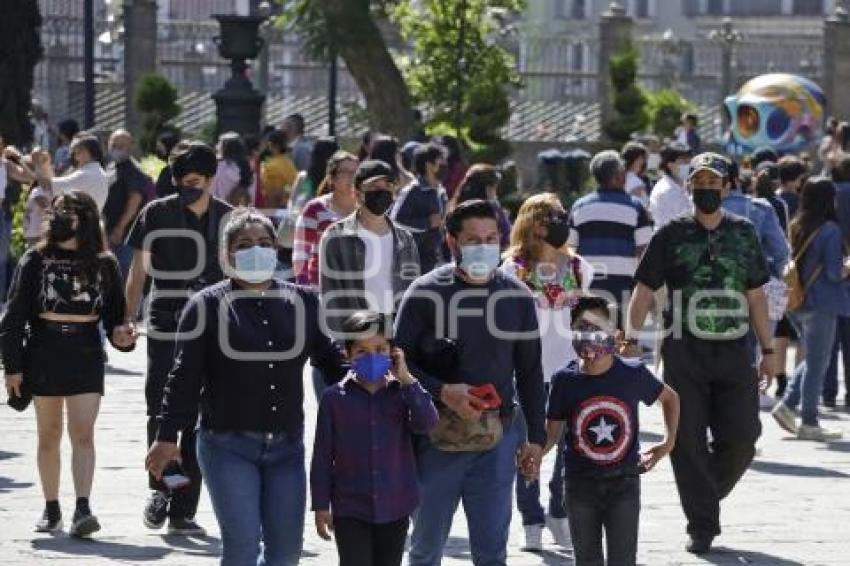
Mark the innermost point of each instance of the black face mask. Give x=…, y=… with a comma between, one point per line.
x=189, y=195
x=442, y=171
x=707, y=201
x=378, y=202
x=61, y=228
x=557, y=233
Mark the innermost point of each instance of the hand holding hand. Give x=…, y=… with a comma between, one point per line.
x=530, y=458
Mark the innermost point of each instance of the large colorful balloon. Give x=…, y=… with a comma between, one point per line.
x=783, y=111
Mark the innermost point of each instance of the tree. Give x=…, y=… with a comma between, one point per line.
x=630, y=102
x=349, y=29
x=665, y=110
x=157, y=99
x=458, y=71
x=20, y=50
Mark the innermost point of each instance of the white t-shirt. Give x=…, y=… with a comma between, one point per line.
x=668, y=201
x=378, y=270
x=90, y=178
x=555, y=335
x=34, y=215
x=636, y=187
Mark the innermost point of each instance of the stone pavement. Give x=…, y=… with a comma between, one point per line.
x=792, y=507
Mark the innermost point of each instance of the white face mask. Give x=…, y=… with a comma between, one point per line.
x=479, y=260
x=683, y=171
x=255, y=264
x=653, y=161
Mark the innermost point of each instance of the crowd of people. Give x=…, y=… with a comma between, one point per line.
x=453, y=345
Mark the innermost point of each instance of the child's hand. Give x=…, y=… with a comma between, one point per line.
x=654, y=454
x=399, y=367
x=324, y=524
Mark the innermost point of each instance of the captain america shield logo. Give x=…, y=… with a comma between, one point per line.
x=603, y=430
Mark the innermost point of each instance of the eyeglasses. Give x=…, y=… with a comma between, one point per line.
x=713, y=245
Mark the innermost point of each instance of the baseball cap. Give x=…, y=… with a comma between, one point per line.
x=708, y=161
x=372, y=169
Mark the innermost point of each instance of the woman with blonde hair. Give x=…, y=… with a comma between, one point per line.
x=557, y=277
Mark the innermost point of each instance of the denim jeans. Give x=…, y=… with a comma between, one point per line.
x=483, y=481
x=842, y=340
x=528, y=493
x=257, y=484
x=817, y=335
x=612, y=504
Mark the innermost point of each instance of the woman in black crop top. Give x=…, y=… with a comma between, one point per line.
x=62, y=289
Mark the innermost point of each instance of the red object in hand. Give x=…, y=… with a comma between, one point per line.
x=487, y=395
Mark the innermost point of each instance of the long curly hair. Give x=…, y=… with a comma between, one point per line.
x=534, y=212
x=817, y=207
x=90, y=240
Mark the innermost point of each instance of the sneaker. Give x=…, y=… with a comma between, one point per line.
x=766, y=402
x=156, y=510
x=186, y=528
x=818, y=433
x=699, y=545
x=45, y=525
x=533, y=538
x=84, y=525
x=785, y=417
x=560, y=529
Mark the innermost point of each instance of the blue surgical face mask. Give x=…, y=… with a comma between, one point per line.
x=479, y=260
x=255, y=264
x=371, y=368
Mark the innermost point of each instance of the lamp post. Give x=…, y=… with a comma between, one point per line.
x=88, y=63
x=727, y=37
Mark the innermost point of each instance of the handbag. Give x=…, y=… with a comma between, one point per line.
x=22, y=401
x=456, y=434
x=796, y=288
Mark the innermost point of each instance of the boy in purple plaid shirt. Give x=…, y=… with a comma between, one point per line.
x=363, y=474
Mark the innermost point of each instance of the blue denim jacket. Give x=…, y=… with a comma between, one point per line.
x=829, y=291
x=760, y=212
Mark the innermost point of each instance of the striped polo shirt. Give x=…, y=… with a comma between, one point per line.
x=315, y=218
x=606, y=228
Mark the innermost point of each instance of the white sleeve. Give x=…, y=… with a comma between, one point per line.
x=587, y=273
x=69, y=182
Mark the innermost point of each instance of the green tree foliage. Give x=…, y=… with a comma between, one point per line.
x=458, y=71
x=20, y=50
x=630, y=102
x=157, y=99
x=665, y=111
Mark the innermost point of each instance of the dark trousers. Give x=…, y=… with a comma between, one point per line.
x=367, y=544
x=612, y=504
x=842, y=341
x=718, y=391
x=184, y=502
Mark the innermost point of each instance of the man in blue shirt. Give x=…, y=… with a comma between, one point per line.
x=764, y=219
x=610, y=229
x=841, y=178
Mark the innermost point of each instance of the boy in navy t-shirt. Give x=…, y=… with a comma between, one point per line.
x=596, y=401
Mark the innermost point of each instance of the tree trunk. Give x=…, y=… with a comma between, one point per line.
x=369, y=62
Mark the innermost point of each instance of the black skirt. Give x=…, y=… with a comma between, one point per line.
x=61, y=364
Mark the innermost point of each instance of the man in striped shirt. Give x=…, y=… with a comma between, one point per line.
x=610, y=228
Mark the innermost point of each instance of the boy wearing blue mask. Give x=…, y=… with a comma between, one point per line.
x=596, y=400
x=363, y=473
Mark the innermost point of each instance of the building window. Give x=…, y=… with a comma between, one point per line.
x=714, y=8
x=577, y=57
x=579, y=10
x=808, y=8
x=642, y=9
x=756, y=8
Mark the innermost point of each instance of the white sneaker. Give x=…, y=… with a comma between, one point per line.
x=533, y=537
x=560, y=529
x=785, y=417
x=818, y=433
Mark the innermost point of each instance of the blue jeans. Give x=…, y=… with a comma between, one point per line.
x=612, y=505
x=842, y=340
x=528, y=494
x=257, y=483
x=817, y=335
x=483, y=481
